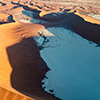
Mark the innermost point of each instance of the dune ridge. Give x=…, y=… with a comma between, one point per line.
x=19, y=50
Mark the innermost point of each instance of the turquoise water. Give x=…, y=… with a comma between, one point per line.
x=74, y=64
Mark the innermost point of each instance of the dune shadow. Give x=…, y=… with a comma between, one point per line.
x=3, y=4
x=73, y=22
x=78, y=25
x=70, y=21
x=10, y=19
x=28, y=68
x=87, y=30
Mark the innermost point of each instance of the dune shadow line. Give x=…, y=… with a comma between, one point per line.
x=28, y=68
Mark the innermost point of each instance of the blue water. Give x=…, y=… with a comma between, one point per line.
x=74, y=64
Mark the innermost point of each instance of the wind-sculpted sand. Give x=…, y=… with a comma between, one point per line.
x=21, y=67
x=5, y=94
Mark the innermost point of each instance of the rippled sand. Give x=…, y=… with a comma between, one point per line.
x=21, y=66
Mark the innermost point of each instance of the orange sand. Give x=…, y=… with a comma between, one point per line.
x=16, y=55
x=8, y=95
x=9, y=37
x=88, y=19
x=43, y=13
x=18, y=34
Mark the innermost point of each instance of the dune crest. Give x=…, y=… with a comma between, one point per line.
x=21, y=67
x=88, y=19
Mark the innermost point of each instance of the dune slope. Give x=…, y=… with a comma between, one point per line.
x=21, y=66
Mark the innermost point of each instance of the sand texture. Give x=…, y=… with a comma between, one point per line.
x=21, y=67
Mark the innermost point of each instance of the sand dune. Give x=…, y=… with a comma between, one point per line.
x=19, y=50
x=88, y=19
x=8, y=95
x=21, y=66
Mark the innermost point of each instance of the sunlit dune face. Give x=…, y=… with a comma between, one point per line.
x=4, y=17
x=15, y=34
x=22, y=68
x=43, y=13
x=11, y=34
x=88, y=19
x=8, y=95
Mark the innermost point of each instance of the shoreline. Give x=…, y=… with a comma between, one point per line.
x=17, y=56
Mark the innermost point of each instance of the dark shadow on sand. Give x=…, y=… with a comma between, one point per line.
x=78, y=25
x=28, y=69
x=3, y=4
x=10, y=20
